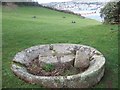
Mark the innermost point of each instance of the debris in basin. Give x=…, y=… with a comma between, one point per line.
x=39, y=69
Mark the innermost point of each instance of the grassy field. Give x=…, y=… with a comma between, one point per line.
x=21, y=31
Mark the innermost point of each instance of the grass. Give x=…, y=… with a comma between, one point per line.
x=21, y=31
x=48, y=67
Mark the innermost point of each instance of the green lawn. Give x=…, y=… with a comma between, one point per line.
x=21, y=31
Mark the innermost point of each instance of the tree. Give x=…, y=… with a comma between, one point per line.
x=110, y=12
x=24, y=3
x=27, y=3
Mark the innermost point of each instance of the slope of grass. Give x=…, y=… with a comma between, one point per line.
x=21, y=31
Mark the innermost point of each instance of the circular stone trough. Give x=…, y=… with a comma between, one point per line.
x=89, y=61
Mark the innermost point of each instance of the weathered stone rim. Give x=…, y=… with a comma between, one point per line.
x=88, y=72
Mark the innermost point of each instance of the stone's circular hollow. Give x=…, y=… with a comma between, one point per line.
x=80, y=56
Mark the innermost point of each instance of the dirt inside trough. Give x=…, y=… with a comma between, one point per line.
x=36, y=68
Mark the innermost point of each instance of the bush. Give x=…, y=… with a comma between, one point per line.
x=110, y=12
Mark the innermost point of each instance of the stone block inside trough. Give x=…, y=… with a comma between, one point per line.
x=81, y=59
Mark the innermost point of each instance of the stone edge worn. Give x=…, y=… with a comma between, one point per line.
x=86, y=79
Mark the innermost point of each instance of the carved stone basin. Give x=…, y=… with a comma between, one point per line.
x=88, y=60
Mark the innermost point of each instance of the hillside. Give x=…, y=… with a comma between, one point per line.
x=21, y=30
